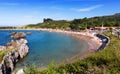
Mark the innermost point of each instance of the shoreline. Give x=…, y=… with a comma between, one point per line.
x=93, y=42
x=87, y=36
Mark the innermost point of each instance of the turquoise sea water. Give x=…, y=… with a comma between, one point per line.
x=46, y=47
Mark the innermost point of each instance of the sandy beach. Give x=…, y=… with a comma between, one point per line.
x=93, y=41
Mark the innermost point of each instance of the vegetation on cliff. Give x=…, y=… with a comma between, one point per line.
x=3, y=52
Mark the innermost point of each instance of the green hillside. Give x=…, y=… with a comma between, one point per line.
x=79, y=24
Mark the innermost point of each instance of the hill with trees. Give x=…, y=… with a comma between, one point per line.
x=79, y=24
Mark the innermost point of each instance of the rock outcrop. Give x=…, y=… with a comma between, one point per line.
x=20, y=49
x=2, y=48
x=18, y=35
x=23, y=48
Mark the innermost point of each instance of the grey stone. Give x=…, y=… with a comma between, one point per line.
x=20, y=49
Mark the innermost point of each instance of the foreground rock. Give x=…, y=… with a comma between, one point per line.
x=20, y=71
x=13, y=33
x=2, y=48
x=20, y=49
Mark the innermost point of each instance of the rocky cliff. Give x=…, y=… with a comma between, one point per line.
x=20, y=49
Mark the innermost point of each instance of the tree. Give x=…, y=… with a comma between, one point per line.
x=47, y=20
x=110, y=29
x=117, y=24
x=118, y=33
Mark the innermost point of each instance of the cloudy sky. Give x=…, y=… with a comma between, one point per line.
x=21, y=12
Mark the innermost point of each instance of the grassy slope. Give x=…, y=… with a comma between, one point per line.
x=104, y=62
x=3, y=52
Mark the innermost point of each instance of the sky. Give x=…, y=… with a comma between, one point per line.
x=22, y=12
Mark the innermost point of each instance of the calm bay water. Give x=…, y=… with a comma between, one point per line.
x=46, y=47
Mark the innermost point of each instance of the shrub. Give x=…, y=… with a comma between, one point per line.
x=31, y=69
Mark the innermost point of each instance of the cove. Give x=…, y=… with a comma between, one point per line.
x=46, y=47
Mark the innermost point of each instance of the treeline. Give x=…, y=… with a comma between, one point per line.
x=7, y=27
x=50, y=23
x=79, y=24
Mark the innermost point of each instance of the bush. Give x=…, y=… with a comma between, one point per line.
x=2, y=53
x=31, y=69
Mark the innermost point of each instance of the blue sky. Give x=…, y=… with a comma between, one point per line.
x=22, y=12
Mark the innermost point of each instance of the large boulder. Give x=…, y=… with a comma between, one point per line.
x=18, y=35
x=13, y=33
x=20, y=49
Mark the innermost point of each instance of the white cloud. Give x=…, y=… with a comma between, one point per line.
x=11, y=4
x=88, y=8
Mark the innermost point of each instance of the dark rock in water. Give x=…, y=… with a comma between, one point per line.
x=13, y=33
x=28, y=33
x=20, y=49
x=19, y=35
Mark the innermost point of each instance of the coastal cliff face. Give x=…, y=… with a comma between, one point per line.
x=20, y=49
